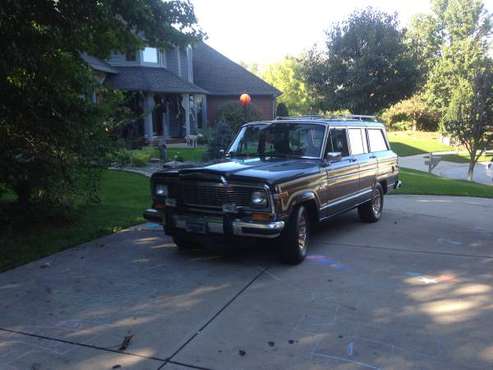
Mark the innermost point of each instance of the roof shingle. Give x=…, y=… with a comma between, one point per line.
x=151, y=79
x=221, y=76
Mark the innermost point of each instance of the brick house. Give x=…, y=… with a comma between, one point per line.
x=182, y=89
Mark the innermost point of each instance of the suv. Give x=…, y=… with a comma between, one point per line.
x=276, y=181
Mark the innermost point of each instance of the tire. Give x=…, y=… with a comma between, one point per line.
x=295, y=238
x=183, y=243
x=371, y=211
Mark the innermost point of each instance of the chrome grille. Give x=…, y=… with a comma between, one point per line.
x=215, y=195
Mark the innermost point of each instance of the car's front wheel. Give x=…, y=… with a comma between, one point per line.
x=295, y=237
x=184, y=243
x=371, y=211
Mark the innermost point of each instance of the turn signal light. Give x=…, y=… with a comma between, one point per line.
x=261, y=217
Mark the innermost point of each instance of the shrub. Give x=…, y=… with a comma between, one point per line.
x=220, y=140
x=235, y=115
x=411, y=114
x=282, y=110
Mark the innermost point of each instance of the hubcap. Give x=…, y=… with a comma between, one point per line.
x=302, y=232
x=377, y=202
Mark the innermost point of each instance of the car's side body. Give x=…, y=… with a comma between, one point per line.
x=213, y=200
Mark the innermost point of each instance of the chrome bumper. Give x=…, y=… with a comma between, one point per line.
x=215, y=225
x=153, y=215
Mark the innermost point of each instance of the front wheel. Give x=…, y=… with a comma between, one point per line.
x=295, y=238
x=371, y=211
x=183, y=243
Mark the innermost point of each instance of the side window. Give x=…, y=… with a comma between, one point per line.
x=377, y=140
x=338, y=141
x=356, y=141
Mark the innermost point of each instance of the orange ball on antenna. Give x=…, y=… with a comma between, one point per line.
x=245, y=99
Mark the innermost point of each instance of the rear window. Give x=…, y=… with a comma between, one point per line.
x=377, y=140
x=356, y=141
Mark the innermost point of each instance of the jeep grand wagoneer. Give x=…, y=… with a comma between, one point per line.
x=278, y=179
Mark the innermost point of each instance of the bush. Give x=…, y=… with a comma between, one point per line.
x=282, y=110
x=220, y=140
x=235, y=115
x=411, y=114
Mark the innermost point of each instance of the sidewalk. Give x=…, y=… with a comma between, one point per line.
x=451, y=170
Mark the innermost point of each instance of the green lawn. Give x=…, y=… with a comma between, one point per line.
x=464, y=158
x=187, y=154
x=406, y=143
x=418, y=182
x=124, y=196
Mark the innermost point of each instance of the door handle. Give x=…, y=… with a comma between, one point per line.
x=353, y=159
x=373, y=156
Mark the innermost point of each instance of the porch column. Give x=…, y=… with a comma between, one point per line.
x=148, y=108
x=185, y=103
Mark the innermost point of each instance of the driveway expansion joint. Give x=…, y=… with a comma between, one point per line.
x=59, y=340
x=224, y=307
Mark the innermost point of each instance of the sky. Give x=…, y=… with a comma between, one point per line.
x=265, y=31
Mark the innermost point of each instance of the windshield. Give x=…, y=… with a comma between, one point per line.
x=283, y=139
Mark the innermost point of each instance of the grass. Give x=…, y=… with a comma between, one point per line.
x=187, y=154
x=140, y=157
x=418, y=182
x=123, y=195
x=464, y=158
x=406, y=143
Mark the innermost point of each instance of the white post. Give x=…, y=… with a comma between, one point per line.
x=185, y=103
x=148, y=108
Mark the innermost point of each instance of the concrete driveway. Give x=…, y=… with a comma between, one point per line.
x=414, y=291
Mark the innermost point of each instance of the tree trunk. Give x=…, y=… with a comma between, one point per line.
x=470, y=170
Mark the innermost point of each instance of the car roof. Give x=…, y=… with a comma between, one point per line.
x=332, y=122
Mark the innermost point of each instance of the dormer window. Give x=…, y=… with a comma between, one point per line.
x=150, y=55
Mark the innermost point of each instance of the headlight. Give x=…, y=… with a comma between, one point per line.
x=259, y=199
x=161, y=190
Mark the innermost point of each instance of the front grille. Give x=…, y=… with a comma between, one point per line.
x=214, y=195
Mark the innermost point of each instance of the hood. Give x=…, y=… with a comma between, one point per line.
x=270, y=171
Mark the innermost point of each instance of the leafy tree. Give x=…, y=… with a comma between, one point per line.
x=52, y=135
x=465, y=29
x=469, y=116
x=286, y=76
x=366, y=66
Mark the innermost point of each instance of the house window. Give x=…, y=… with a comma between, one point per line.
x=150, y=55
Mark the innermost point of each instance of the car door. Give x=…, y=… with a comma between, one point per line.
x=368, y=164
x=387, y=168
x=342, y=175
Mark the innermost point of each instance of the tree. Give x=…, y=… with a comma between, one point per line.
x=366, y=65
x=469, y=116
x=464, y=27
x=286, y=76
x=52, y=135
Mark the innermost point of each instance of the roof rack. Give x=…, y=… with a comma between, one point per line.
x=286, y=118
x=345, y=117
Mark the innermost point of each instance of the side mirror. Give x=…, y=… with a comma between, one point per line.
x=331, y=157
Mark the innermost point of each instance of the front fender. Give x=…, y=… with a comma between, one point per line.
x=303, y=197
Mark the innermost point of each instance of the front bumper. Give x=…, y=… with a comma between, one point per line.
x=201, y=224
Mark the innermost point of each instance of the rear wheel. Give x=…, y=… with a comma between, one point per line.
x=371, y=211
x=295, y=238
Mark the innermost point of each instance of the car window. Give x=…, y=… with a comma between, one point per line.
x=356, y=141
x=338, y=141
x=377, y=140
